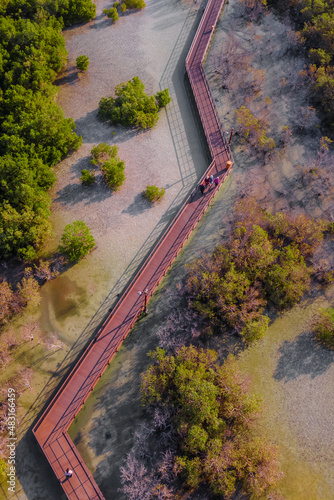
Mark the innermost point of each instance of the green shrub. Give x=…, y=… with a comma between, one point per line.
x=212, y=415
x=115, y=5
x=123, y=7
x=265, y=260
x=82, y=62
x=87, y=178
x=324, y=327
x=111, y=14
x=135, y=4
x=77, y=240
x=113, y=173
x=103, y=152
x=153, y=193
x=163, y=98
x=112, y=167
x=131, y=106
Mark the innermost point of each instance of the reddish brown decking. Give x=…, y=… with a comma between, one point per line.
x=51, y=429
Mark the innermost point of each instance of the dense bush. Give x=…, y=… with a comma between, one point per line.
x=211, y=414
x=324, y=327
x=69, y=11
x=82, y=62
x=131, y=107
x=113, y=173
x=153, y=193
x=34, y=133
x=77, y=240
x=265, y=260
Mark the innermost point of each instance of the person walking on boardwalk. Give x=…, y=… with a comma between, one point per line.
x=201, y=188
x=68, y=473
x=207, y=181
x=216, y=181
x=211, y=180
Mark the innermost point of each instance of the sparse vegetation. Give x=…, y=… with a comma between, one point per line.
x=253, y=130
x=112, y=167
x=153, y=193
x=315, y=20
x=324, y=327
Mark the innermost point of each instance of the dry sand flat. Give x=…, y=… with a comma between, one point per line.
x=151, y=44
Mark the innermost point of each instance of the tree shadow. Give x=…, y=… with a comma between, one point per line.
x=70, y=77
x=302, y=356
x=105, y=23
x=138, y=206
x=94, y=130
x=108, y=22
x=77, y=193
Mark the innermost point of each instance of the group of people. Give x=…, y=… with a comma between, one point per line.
x=208, y=181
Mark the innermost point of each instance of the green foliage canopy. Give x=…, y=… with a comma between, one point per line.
x=131, y=106
x=153, y=193
x=34, y=133
x=112, y=168
x=265, y=260
x=82, y=62
x=77, y=240
x=211, y=412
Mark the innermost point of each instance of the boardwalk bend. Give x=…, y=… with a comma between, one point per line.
x=51, y=431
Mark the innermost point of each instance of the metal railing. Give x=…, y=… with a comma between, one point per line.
x=157, y=277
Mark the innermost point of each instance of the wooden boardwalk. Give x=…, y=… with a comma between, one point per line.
x=51, y=429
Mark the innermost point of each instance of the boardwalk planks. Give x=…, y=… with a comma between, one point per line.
x=51, y=429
